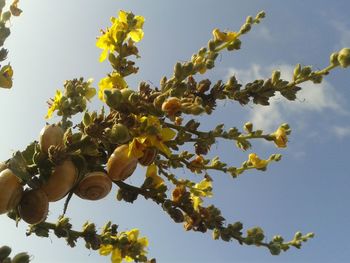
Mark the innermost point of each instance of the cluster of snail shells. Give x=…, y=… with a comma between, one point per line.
x=33, y=204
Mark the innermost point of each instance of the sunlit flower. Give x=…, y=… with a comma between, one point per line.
x=199, y=190
x=224, y=36
x=155, y=138
x=112, y=81
x=116, y=256
x=107, y=42
x=197, y=164
x=152, y=172
x=178, y=192
x=54, y=104
x=6, y=74
x=280, y=137
x=135, y=30
x=257, y=162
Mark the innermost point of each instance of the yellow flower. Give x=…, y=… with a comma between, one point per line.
x=116, y=253
x=155, y=139
x=6, y=74
x=135, y=31
x=224, y=36
x=280, y=137
x=54, y=105
x=109, y=39
x=199, y=62
x=152, y=172
x=257, y=162
x=201, y=189
x=107, y=42
x=112, y=81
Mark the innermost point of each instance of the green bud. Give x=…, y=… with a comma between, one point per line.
x=216, y=234
x=202, y=51
x=119, y=134
x=276, y=74
x=297, y=71
x=126, y=94
x=178, y=70
x=21, y=258
x=249, y=20
x=5, y=251
x=6, y=16
x=245, y=28
x=211, y=45
x=248, y=127
x=344, y=57
x=210, y=64
x=305, y=71
x=260, y=15
x=275, y=249
x=113, y=98
x=86, y=119
x=333, y=59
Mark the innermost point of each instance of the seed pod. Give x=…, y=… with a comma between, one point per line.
x=149, y=154
x=50, y=135
x=94, y=186
x=21, y=258
x=5, y=251
x=120, y=166
x=61, y=181
x=344, y=57
x=34, y=206
x=11, y=190
x=171, y=106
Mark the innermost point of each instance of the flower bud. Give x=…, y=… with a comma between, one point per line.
x=248, y=127
x=344, y=57
x=113, y=98
x=126, y=93
x=5, y=251
x=119, y=134
x=333, y=59
x=171, y=106
x=21, y=258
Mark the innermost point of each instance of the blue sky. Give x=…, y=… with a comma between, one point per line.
x=307, y=191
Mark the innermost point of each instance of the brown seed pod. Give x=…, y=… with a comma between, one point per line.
x=11, y=190
x=61, y=181
x=50, y=135
x=171, y=106
x=34, y=206
x=149, y=155
x=120, y=166
x=94, y=186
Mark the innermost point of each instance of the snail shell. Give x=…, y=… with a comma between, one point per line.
x=34, y=206
x=94, y=186
x=120, y=166
x=11, y=190
x=50, y=135
x=149, y=155
x=61, y=181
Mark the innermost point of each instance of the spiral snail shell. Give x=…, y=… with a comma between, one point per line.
x=149, y=155
x=50, y=135
x=11, y=190
x=61, y=181
x=120, y=166
x=94, y=186
x=34, y=206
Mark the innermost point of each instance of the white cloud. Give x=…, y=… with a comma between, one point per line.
x=344, y=33
x=263, y=33
x=341, y=132
x=312, y=98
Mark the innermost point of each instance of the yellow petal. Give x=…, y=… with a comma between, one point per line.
x=136, y=35
x=139, y=21
x=197, y=201
x=152, y=172
x=143, y=241
x=116, y=256
x=123, y=16
x=167, y=134
x=133, y=234
x=129, y=259
x=103, y=55
x=105, y=250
